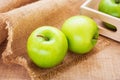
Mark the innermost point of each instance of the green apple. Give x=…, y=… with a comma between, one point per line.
x=110, y=26
x=111, y=7
x=81, y=32
x=47, y=46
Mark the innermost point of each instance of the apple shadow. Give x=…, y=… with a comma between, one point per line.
x=70, y=60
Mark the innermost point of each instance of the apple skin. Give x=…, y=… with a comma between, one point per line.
x=81, y=32
x=47, y=46
x=111, y=7
x=110, y=26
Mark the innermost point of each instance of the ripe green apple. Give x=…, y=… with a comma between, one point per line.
x=111, y=7
x=47, y=46
x=81, y=32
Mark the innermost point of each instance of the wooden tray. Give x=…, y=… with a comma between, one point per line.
x=90, y=7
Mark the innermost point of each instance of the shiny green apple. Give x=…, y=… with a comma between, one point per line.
x=111, y=7
x=47, y=46
x=81, y=32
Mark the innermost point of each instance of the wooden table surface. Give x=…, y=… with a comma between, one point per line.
x=102, y=63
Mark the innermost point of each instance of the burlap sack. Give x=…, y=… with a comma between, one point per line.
x=22, y=21
x=6, y=5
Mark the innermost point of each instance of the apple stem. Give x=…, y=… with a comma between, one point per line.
x=43, y=37
x=117, y=1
